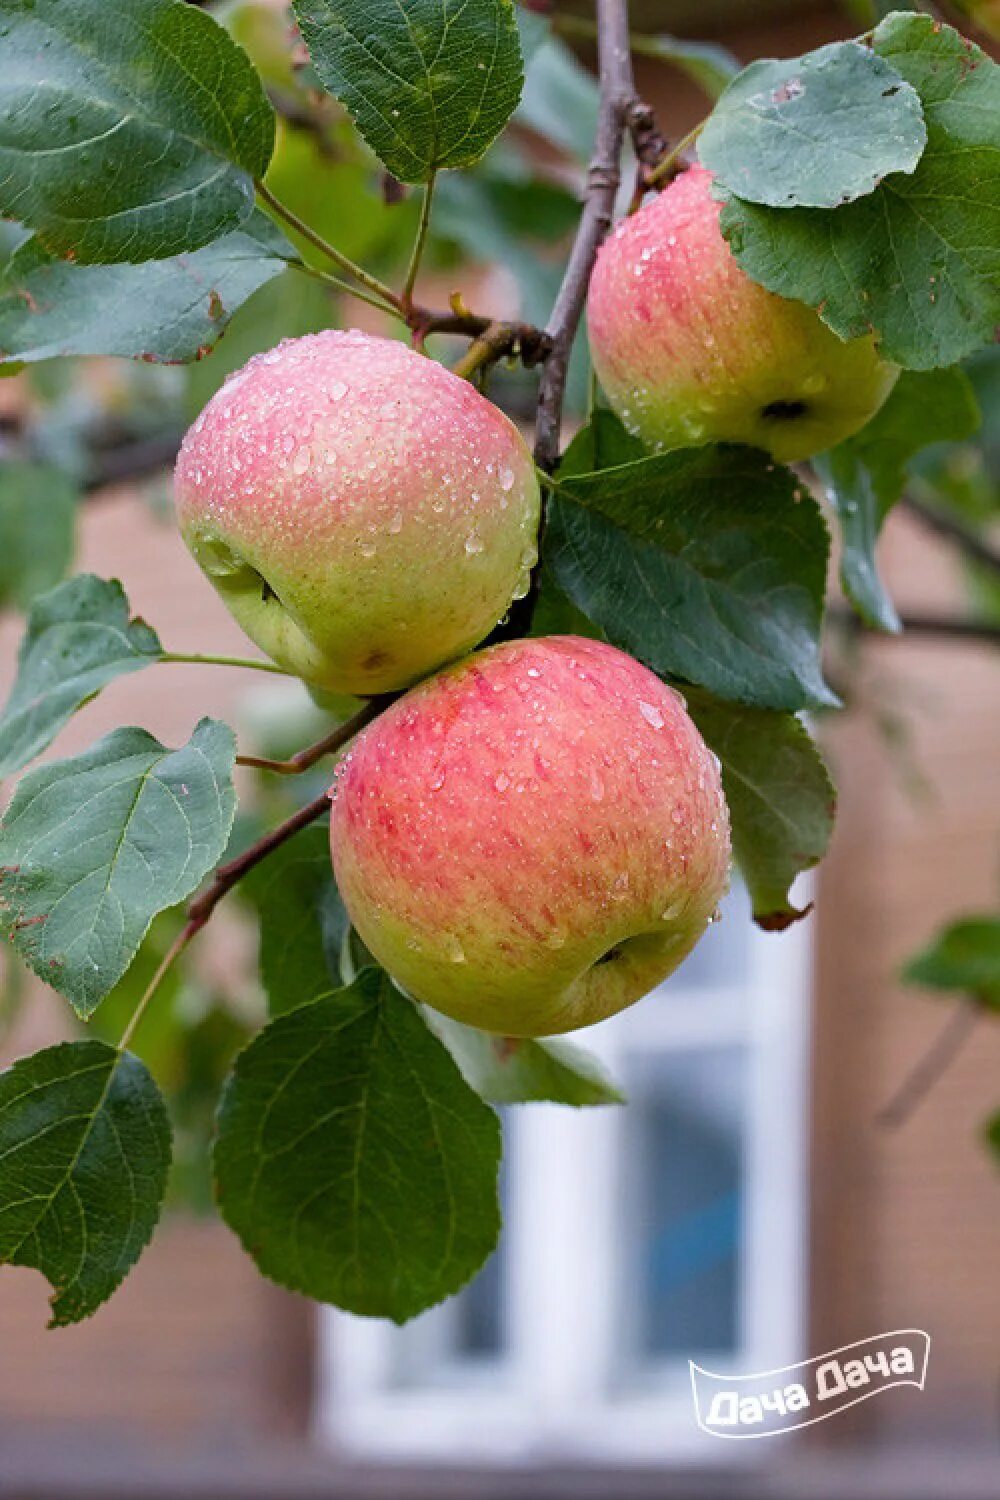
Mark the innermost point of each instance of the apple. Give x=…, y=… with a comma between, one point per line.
x=365, y=514
x=532, y=839
x=689, y=350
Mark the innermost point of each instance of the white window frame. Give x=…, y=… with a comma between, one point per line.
x=548, y=1397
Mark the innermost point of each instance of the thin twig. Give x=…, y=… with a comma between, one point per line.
x=228, y=875
x=177, y=947
x=944, y=627
x=617, y=97
x=930, y=1069
x=305, y=759
x=976, y=549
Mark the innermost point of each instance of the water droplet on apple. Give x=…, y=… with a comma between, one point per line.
x=337, y=391
x=474, y=543
x=502, y=782
x=367, y=547
x=396, y=522
x=455, y=951
x=506, y=479
x=619, y=889
x=651, y=714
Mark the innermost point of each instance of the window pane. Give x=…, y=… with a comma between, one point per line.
x=721, y=957
x=683, y=1205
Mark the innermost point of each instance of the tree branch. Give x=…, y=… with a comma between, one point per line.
x=617, y=100
x=976, y=549
x=944, y=626
x=228, y=875
x=305, y=759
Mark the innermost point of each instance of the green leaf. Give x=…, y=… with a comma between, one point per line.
x=817, y=130
x=520, y=1070
x=560, y=99
x=37, y=530
x=918, y=260
x=78, y=639
x=708, y=65
x=84, y=1155
x=92, y=848
x=708, y=564
x=166, y=310
x=965, y=957
x=303, y=922
x=429, y=85
x=865, y=475
x=352, y=1159
x=128, y=132
x=781, y=799
x=602, y=443
x=992, y=1134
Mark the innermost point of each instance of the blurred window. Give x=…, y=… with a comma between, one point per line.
x=635, y=1239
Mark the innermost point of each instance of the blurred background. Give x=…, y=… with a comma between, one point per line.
x=751, y=1205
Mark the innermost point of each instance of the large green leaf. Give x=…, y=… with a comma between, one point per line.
x=781, y=799
x=303, y=922
x=520, y=1070
x=129, y=131
x=353, y=1160
x=37, y=530
x=708, y=564
x=171, y=310
x=92, y=848
x=918, y=260
x=864, y=476
x=429, y=84
x=84, y=1155
x=78, y=639
x=817, y=130
x=964, y=957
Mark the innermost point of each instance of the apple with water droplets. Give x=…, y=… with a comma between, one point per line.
x=690, y=350
x=365, y=514
x=531, y=840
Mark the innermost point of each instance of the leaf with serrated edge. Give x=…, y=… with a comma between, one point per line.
x=429, y=85
x=130, y=131
x=521, y=1070
x=78, y=639
x=353, y=1160
x=917, y=261
x=84, y=1156
x=780, y=796
x=162, y=310
x=864, y=476
x=815, y=131
x=708, y=564
x=92, y=848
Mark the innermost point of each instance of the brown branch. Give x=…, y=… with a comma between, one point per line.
x=944, y=627
x=974, y=546
x=228, y=875
x=305, y=759
x=930, y=1069
x=617, y=100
